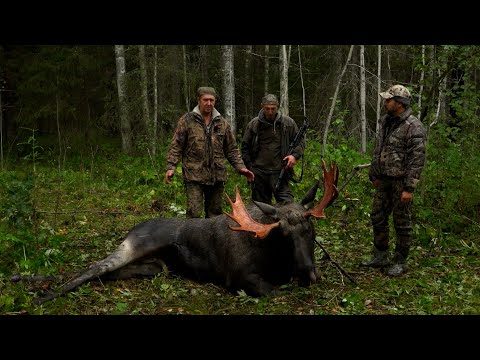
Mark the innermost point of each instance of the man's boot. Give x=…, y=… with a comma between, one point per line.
x=380, y=259
x=398, y=267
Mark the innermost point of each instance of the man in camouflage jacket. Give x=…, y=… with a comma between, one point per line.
x=398, y=160
x=265, y=145
x=202, y=141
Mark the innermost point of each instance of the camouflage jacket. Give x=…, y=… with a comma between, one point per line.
x=203, y=150
x=250, y=148
x=399, y=149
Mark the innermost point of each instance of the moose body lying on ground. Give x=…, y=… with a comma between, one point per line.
x=272, y=246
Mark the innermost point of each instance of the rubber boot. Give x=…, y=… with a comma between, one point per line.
x=398, y=267
x=379, y=260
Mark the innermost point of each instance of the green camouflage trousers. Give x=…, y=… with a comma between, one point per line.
x=386, y=201
x=204, y=198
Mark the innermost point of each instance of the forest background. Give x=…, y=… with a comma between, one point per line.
x=84, y=133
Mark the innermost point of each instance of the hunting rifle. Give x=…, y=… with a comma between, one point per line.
x=296, y=141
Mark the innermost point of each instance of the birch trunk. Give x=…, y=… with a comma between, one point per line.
x=125, y=127
x=334, y=100
x=422, y=77
x=229, y=86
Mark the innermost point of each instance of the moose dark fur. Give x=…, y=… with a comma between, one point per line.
x=272, y=246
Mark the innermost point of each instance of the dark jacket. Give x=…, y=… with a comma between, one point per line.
x=203, y=151
x=400, y=149
x=250, y=149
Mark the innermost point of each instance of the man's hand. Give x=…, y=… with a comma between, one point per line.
x=168, y=176
x=406, y=197
x=248, y=174
x=290, y=161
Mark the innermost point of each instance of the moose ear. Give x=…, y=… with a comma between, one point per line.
x=267, y=209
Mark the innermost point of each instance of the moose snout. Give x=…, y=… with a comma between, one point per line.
x=307, y=277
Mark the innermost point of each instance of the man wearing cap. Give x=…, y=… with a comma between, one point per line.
x=265, y=145
x=202, y=140
x=398, y=160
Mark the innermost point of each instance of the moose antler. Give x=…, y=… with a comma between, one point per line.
x=243, y=218
x=330, y=192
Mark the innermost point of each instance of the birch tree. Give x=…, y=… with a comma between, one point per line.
x=229, y=86
x=363, y=116
x=283, y=80
x=125, y=127
x=334, y=100
x=422, y=77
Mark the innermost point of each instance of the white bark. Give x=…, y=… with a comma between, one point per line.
x=229, y=86
x=422, y=76
x=363, y=116
x=334, y=100
x=283, y=80
x=125, y=127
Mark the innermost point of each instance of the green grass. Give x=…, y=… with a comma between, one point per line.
x=82, y=215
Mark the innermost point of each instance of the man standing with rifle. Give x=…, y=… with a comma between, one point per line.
x=268, y=147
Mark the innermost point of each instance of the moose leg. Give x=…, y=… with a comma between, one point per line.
x=149, y=267
x=130, y=250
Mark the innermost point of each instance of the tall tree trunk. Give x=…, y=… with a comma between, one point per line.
x=229, y=86
x=379, y=87
x=247, y=93
x=334, y=100
x=422, y=77
x=363, y=115
x=267, y=68
x=155, y=100
x=125, y=126
x=185, y=80
x=283, y=80
x=146, y=107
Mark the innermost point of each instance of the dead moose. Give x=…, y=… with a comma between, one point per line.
x=272, y=246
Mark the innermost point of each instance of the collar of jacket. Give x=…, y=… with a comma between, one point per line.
x=215, y=113
x=401, y=117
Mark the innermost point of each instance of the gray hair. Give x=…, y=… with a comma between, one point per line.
x=206, y=90
x=270, y=99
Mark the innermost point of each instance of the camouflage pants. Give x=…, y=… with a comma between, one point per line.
x=204, y=198
x=386, y=202
x=263, y=188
